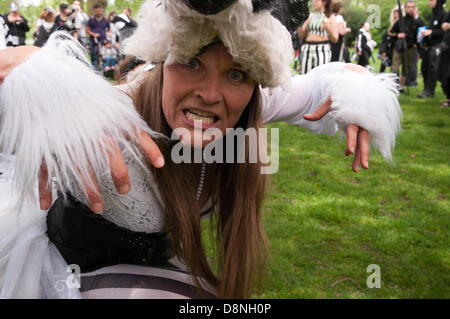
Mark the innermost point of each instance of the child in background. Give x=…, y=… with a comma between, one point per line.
x=109, y=56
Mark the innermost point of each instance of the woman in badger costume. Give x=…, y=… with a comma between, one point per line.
x=224, y=64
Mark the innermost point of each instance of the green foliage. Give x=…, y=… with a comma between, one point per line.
x=355, y=17
x=119, y=5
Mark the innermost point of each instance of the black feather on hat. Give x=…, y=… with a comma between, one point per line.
x=256, y=33
x=292, y=13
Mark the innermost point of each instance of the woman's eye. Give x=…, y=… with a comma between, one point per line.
x=193, y=64
x=236, y=75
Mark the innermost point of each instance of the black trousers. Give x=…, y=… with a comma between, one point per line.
x=446, y=87
x=429, y=68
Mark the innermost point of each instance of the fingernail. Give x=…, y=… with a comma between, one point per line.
x=352, y=149
x=98, y=207
x=160, y=162
x=44, y=204
x=124, y=189
x=366, y=164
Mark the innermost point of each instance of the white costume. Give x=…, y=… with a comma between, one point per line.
x=68, y=128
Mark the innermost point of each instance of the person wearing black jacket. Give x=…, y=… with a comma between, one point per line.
x=431, y=48
x=17, y=25
x=409, y=32
x=125, y=24
x=46, y=29
x=444, y=63
x=387, y=45
x=363, y=47
x=66, y=19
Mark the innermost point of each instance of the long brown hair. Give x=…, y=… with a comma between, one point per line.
x=327, y=6
x=241, y=244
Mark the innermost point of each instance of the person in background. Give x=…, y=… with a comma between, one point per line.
x=125, y=24
x=444, y=63
x=97, y=27
x=405, y=58
x=337, y=48
x=3, y=33
x=81, y=18
x=296, y=44
x=109, y=55
x=387, y=44
x=411, y=78
x=113, y=34
x=39, y=22
x=431, y=48
x=65, y=20
x=318, y=31
x=364, y=45
x=17, y=26
x=48, y=26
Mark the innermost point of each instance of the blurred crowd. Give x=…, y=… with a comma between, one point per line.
x=101, y=34
x=410, y=39
x=321, y=39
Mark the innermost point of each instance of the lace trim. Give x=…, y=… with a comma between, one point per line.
x=141, y=209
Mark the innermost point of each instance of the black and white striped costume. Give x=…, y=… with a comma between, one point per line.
x=315, y=53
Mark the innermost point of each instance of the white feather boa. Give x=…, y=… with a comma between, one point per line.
x=366, y=99
x=54, y=108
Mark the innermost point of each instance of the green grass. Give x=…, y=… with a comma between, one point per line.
x=326, y=224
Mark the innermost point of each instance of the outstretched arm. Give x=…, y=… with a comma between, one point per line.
x=50, y=140
x=344, y=96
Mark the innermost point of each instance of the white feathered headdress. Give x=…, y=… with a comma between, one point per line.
x=176, y=31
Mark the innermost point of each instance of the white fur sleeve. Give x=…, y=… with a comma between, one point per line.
x=55, y=109
x=365, y=99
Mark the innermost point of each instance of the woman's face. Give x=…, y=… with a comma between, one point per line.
x=211, y=90
x=318, y=5
x=396, y=15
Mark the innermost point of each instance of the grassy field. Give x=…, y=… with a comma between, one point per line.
x=326, y=224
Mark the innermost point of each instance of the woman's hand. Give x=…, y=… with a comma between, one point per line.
x=11, y=58
x=358, y=139
x=119, y=174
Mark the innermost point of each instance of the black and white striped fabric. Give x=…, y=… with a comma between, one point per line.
x=315, y=25
x=140, y=282
x=4, y=32
x=314, y=55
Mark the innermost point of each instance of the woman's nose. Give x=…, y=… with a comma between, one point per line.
x=209, y=89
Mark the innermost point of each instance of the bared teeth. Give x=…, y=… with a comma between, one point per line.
x=196, y=117
x=201, y=113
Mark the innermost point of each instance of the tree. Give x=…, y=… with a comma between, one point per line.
x=90, y=4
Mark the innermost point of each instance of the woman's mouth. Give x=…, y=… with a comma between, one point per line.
x=207, y=119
